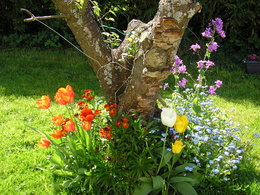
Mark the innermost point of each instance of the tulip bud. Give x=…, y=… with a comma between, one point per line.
x=168, y=117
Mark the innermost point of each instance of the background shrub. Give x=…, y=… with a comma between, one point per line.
x=241, y=21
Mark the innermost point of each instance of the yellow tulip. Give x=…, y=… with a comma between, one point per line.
x=181, y=124
x=177, y=147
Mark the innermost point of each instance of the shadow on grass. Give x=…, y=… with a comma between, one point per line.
x=38, y=72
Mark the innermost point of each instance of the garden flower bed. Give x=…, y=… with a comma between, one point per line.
x=191, y=143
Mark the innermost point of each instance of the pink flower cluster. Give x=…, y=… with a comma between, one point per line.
x=212, y=89
x=205, y=64
x=182, y=83
x=215, y=25
x=195, y=47
x=213, y=46
x=178, y=66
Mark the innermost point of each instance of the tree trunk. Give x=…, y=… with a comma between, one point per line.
x=132, y=75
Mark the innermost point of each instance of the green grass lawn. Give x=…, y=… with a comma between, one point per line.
x=26, y=75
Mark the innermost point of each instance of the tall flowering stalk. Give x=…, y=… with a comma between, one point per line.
x=202, y=134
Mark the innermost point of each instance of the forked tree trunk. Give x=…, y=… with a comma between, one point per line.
x=132, y=79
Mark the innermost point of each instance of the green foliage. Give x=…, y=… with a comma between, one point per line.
x=14, y=32
x=240, y=19
x=112, y=39
x=129, y=9
x=96, y=8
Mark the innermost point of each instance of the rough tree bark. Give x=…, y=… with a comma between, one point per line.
x=132, y=81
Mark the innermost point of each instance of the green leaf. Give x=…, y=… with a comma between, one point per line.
x=167, y=157
x=158, y=182
x=196, y=108
x=64, y=173
x=83, y=171
x=146, y=179
x=57, y=161
x=110, y=19
x=185, y=188
x=143, y=189
x=106, y=34
x=68, y=183
x=112, y=12
x=130, y=39
x=181, y=179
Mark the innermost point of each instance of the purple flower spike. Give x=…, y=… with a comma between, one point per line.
x=209, y=63
x=213, y=46
x=212, y=90
x=182, y=69
x=218, y=23
x=178, y=61
x=165, y=86
x=222, y=34
x=215, y=25
x=195, y=47
x=218, y=83
x=207, y=33
x=182, y=83
x=200, y=64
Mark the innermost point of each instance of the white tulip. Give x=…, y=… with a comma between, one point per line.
x=168, y=117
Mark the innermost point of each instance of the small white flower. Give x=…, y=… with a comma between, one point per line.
x=168, y=117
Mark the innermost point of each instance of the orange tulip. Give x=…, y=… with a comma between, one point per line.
x=58, y=134
x=90, y=97
x=81, y=104
x=86, y=125
x=68, y=126
x=109, y=135
x=118, y=123
x=44, y=102
x=57, y=120
x=102, y=132
x=106, y=106
x=125, y=120
x=87, y=95
x=44, y=143
x=64, y=95
x=113, y=105
x=125, y=125
x=113, y=112
x=106, y=132
x=86, y=114
x=97, y=112
x=110, y=107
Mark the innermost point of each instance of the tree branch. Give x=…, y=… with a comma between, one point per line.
x=83, y=24
x=33, y=17
x=158, y=43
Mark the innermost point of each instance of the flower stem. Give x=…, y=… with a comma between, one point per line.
x=163, y=151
